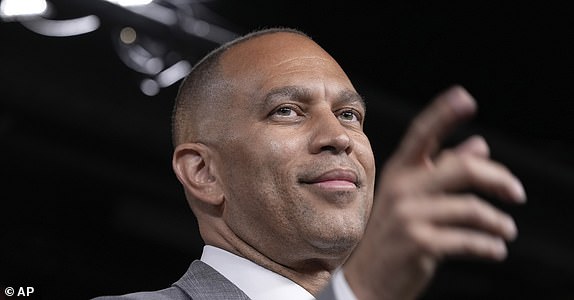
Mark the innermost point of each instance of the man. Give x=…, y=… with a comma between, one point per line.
x=270, y=150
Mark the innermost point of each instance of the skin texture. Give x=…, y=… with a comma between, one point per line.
x=283, y=174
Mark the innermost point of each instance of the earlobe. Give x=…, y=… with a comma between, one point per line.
x=192, y=165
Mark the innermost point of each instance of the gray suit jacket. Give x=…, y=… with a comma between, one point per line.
x=200, y=282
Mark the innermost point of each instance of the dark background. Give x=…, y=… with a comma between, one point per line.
x=89, y=205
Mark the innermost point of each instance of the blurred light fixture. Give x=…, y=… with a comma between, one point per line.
x=63, y=28
x=174, y=73
x=154, y=57
x=128, y=35
x=22, y=8
x=33, y=14
x=159, y=63
x=127, y=3
x=165, y=78
x=156, y=12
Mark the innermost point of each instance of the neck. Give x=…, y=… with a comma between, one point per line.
x=312, y=272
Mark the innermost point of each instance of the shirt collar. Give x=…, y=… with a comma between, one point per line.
x=255, y=281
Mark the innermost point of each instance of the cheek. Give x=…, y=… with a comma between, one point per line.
x=272, y=148
x=366, y=157
x=259, y=160
x=258, y=184
x=283, y=150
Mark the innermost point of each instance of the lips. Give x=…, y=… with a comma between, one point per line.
x=335, y=179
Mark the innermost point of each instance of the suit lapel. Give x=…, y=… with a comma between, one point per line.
x=202, y=282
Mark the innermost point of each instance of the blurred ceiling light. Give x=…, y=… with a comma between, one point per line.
x=174, y=73
x=126, y=3
x=167, y=77
x=128, y=35
x=157, y=13
x=17, y=8
x=210, y=32
x=62, y=28
x=141, y=60
x=149, y=87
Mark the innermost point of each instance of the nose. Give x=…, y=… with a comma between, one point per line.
x=329, y=135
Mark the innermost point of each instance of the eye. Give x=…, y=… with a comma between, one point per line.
x=285, y=111
x=350, y=115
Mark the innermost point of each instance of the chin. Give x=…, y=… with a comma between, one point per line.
x=339, y=243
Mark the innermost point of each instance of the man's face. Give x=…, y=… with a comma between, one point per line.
x=296, y=168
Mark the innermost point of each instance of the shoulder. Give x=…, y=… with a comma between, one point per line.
x=199, y=282
x=171, y=293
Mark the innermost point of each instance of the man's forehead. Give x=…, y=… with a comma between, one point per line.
x=270, y=49
x=281, y=59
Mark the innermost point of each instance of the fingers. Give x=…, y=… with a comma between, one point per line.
x=459, y=226
x=467, y=211
x=452, y=242
x=466, y=167
x=429, y=128
x=454, y=173
x=475, y=145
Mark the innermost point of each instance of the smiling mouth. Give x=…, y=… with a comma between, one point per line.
x=335, y=184
x=334, y=180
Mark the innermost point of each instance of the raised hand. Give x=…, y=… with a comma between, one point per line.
x=423, y=210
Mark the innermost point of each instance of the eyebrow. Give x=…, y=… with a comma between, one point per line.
x=302, y=93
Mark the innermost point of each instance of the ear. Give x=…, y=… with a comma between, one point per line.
x=192, y=164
